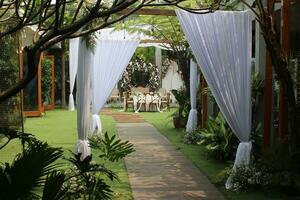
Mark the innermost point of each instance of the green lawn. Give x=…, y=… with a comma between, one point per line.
x=196, y=153
x=58, y=128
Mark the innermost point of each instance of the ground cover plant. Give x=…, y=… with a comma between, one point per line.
x=59, y=129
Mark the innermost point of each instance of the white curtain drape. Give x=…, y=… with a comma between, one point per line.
x=110, y=60
x=221, y=43
x=192, y=119
x=73, y=65
x=85, y=62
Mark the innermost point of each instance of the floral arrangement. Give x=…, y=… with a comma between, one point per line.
x=140, y=65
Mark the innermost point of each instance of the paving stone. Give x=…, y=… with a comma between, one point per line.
x=158, y=171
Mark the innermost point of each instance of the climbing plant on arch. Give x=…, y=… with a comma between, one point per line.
x=148, y=69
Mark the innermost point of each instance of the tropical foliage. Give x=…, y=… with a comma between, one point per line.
x=219, y=139
x=38, y=172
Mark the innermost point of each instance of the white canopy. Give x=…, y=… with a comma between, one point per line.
x=221, y=43
x=110, y=60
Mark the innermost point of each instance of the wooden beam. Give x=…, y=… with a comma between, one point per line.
x=285, y=45
x=155, y=41
x=150, y=11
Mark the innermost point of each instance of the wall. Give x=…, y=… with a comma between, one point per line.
x=172, y=80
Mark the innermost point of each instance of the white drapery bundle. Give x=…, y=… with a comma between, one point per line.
x=192, y=120
x=221, y=43
x=111, y=59
x=85, y=62
x=73, y=65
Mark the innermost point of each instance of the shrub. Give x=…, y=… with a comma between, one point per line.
x=219, y=139
x=259, y=176
x=249, y=177
x=192, y=138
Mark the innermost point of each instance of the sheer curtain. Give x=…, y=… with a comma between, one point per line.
x=221, y=43
x=85, y=61
x=110, y=60
x=73, y=65
x=192, y=120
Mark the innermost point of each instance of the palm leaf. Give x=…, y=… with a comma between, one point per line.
x=53, y=189
x=27, y=173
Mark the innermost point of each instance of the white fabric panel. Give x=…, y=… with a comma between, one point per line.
x=110, y=61
x=221, y=43
x=85, y=61
x=73, y=65
x=192, y=120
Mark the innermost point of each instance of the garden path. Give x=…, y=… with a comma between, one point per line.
x=157, y=170
x=123, y=117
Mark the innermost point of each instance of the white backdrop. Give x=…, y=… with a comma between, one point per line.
x=221, y=43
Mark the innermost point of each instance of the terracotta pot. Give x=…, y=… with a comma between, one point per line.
x=179, y=122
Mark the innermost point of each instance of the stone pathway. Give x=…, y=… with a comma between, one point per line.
x=157, y=171
x=123, y=117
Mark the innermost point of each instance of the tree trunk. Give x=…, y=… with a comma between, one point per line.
x=185, y=70
x=63, y=75
x=31, y=62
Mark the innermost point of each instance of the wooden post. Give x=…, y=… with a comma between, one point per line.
x=204, y=103
x=40, y=103
x=268, y=101
x=285, y=45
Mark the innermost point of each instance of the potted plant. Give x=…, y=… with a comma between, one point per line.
x=180, y=116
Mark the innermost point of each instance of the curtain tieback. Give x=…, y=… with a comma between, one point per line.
x=71, y=102
x=243, y=154
x=97, y=123
x=83, y=148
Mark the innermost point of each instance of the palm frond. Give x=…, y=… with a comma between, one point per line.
x=27, y=173
x=53, y=188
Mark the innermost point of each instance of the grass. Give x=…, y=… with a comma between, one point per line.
x=58, y=128
x=197, y=154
